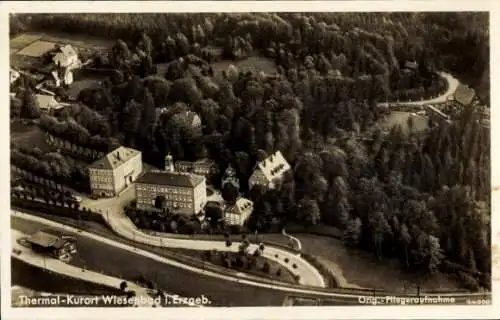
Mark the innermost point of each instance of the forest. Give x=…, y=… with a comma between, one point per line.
x=421, y=198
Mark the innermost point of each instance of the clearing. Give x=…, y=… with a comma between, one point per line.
x=361, y=269
x=420, y=123
x=81, y=83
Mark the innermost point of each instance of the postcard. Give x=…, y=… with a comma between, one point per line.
x=249, y=160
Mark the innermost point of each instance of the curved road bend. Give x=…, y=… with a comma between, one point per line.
x=453, y=83
x=330, y=294
x=309, y=275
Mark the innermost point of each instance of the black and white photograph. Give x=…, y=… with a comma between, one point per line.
x=249, y=159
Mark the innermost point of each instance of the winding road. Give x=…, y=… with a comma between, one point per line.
x=452, y=84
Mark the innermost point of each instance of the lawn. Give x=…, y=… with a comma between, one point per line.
x=215, y=259
x=260, y=63
x=401, y=118
x=361, y=269
x=82, y=83
x=23, y=40
x=37, y=49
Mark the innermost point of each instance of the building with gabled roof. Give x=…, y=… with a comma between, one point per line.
x=269, y=171
x=184, y=193
x=239, y=212
x=115, y=171
x=58, y=247
x=66, y=57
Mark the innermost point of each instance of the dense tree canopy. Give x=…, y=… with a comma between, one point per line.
x=422, y=198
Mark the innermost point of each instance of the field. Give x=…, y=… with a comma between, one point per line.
x=401, y=118
x=37, y=49
x=26, y=48
x=260, y=63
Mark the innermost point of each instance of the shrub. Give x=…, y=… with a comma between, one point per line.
x=123, y=285
x=468, y=281
x=294, y=266
x=278, y=272
x=296, y=277
x=256, y=253
x=287, y=260
x=266, y=267
x=228, y=242
x=227, y=263
x=208, y=255
x=276, y=255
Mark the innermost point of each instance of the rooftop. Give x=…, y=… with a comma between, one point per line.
x=274, y=166
x=45, y=101
x=43, y=239
x=241, y=206
x=115, y=158
x=175, y=179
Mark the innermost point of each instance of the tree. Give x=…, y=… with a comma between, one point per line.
x=266, y=267
x=228, y=243
x=30, y=108
x=352, y=233
x=214, y=214
x=308, y=211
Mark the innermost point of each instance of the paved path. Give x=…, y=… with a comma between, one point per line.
x=112, y=211
x=292, y=239
x=29, y=256
x=453, y=83
x=309, y=275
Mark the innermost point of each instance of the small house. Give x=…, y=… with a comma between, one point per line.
x=239, y=212
x=269, y=171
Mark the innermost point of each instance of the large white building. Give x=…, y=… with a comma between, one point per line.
x=269, y=171
x=114, y=172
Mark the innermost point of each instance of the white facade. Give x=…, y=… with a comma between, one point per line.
x=238, y=213
x=115, y=171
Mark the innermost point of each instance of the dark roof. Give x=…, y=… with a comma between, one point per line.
x=43, y=239
x=176, y=179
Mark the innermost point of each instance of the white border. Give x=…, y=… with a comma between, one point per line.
x=454, y=312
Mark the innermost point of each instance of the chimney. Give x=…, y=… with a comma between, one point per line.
x=118, y=156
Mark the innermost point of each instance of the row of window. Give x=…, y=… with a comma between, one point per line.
x=174, y=197
x=103, y=186
x=102, y=179
x=162, y=189
x=98, y=172
x=171, y=204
